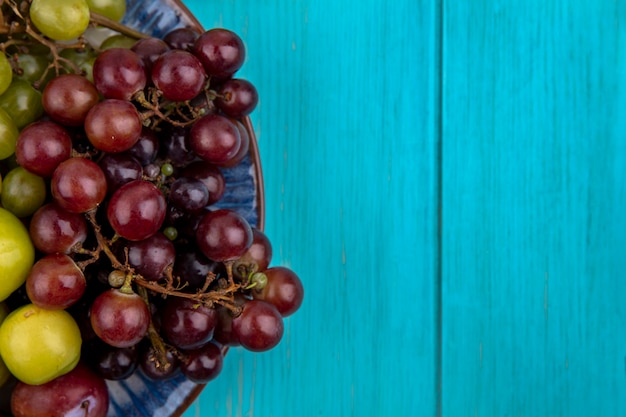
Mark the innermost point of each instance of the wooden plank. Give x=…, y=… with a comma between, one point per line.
x=534, y=155
x=348, y=135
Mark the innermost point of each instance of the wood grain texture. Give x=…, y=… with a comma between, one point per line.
x=347, y=126
x=533, y=191
x=447, y=179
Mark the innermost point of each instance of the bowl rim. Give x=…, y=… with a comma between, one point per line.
x=255, y=158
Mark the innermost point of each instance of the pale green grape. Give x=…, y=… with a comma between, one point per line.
x=60, y=20
x=6, y=73
x=113, y=9
x=8, y=135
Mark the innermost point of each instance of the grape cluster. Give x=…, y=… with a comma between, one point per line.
x=113, y=157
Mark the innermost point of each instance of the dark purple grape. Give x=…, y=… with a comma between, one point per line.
x=189, y=194
x=221, y=52
x=136, y=210
x=181, y=38
x=187, y=324
x=203, y=364
x=146, y=148
x=223, y=235
x=237, y=97
x=150, y=366
x=215, y=139
x=111, y=362
x=175, y=147
x=119, y=73
x=148, y=50
x=259, y=327
x=210, y=175
x=120, y=169
x=152, y=256
x=192, y=267
x=179, y=75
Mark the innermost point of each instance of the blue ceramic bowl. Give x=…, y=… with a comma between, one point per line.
x=140, y=396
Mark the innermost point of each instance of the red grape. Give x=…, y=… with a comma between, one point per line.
x=80, y=392
x=283, y=289
x=78, y=185
x=120, y=319
x=223, y=235
x=237, y=97
x=136, y=210
x=113, y=125
x=187, y=324
x=203, y=364
x=151, y=257
x=210, y=175
x=55, y=230
x=215, y=139
x=68, y=97
x=55, y=282
x=179, y=75
x=256, y=258
x=259, y=327
x=221, y=52
x=42, y=146
x=119, y=73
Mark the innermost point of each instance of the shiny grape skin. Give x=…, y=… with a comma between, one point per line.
x=136, y=210
x=78, y=185
x=181, y=38
x=215, y=139
x=210, y=175
x=192, y=267
x=203, y=364
x=55, y=282
x=187, y=324
x=111, y=362
x=148, y=50
x=146, y=148
x=256, y=258
x=42, y=146
x=223, y=235
x=151, y=257
x=119, y=169
x=119, y=319
x=55, y=230
x=174, y=146
x=179, y=75
x=259, y=327
x=67, y=395
x=237, y=97
x=221, y=52
x=113, y=125
x=189, y=194
x=119, y=73
x=150, y=367
x=68, y=97
x=244, y=147
x=284, y=290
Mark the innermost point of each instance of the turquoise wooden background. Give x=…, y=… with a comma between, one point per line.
x=448, y=179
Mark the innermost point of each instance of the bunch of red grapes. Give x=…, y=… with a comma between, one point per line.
x=130, y=241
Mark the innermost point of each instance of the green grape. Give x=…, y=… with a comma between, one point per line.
x=8, y=135
x=113, y=9
x=6, y=73
x=33, y=68
x=22, y=102
x=22, y=192
x=117, y=41
x=84, y=59
x=60, y=20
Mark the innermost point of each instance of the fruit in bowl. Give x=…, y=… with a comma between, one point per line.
x=132, y=248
